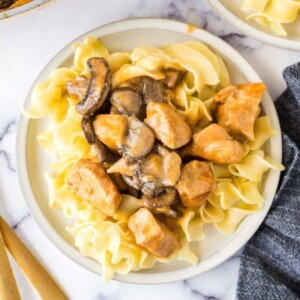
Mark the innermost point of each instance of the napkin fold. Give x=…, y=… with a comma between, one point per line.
x=270, y=263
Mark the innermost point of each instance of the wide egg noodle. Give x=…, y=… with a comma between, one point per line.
x=272, y=13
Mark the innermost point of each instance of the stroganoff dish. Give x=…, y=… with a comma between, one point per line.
x=148, y=147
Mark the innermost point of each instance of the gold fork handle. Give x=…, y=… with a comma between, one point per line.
x=8, y=285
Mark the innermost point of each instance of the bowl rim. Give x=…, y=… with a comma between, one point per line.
x=215, y=259
x=251, y=31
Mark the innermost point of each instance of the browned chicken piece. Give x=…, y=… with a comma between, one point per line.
x=111, y=129
x=197, y=182
x=139, y=140
x=167, y=125
x=90, y=182
x=214, y=144
x=78, y=87
x=152, y=234
x=238, y=107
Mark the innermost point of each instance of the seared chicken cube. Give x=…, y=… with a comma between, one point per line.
x=197, y=182
x=90, y=182
x=167, y=125
x=238, y=107
x=214, y=144
x=151, y=234
x=111, y=129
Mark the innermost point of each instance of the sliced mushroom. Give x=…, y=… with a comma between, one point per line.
x=151, y=89
x=132, y=181
x=99, y=86
x=173, y=77
x=167, y=198
x=139, y=140
x=78, y=87
x=6, y=3
x=133, y=83
x=126, y=101
x=114, y=111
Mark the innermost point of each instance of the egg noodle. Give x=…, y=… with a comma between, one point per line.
x=272, y=13
x=108, y=239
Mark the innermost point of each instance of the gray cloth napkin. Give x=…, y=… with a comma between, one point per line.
x=270, y=263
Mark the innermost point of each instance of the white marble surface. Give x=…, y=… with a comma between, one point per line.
x=27, y=42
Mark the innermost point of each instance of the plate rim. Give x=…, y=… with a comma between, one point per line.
x=262, y=36
x=138, y=277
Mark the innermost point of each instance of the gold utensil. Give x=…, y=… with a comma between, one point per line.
x=8, y=285
x=35, y=272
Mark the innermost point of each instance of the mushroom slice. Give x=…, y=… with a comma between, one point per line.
x=126, y=101
x=132, y=182
x=6, y=3
x=88, y=129
x=167, y=198
x=133, y=83
x=151, y=89
x=111, y=129
x=173, y=77
x=99, y=86
x=168, y=125
x=139, y=140
x=78, y=87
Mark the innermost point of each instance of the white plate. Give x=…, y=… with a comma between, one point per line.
x=230, y=11
x=32, y=161
x=22, y=8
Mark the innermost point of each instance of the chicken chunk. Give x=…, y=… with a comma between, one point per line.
x=111, y=129
x=214, y=144
x=151, y=234
x=196, y=183
x=167, y=125
x=89, y=181
x=238, y=107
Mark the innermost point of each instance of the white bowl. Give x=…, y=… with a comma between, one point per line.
x=22, y=8
x=32, y=161
x=230, y=11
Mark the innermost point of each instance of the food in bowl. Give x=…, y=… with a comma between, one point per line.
x=10, y=4
x=148, y=147
x=272, y=13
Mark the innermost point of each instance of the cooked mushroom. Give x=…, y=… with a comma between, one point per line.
x=133, y=83
x=152, y=234
x=99, y=86
x=167, y=198
x=126, y=101
x=111, y=129
x=168, y=125
x=151, y=90
x=6, y=3
x=173, y=77
x=103, y=154
x=158, y=170
x=139, y=140
x=78, y=87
